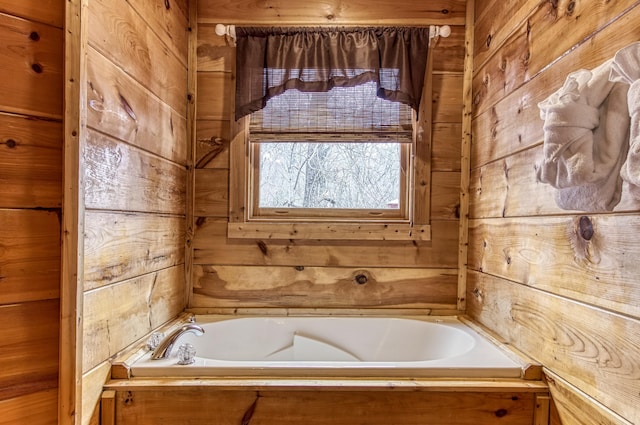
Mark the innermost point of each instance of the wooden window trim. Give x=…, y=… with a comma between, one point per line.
x=241, y=226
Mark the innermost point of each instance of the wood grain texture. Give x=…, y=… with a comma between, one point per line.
x=49, y=12
x=508, y=188
x=332, y=12
x=121, y=177
x=323, y=287
x=572, y=406
x=29, y=348
x=30, y=261
x=212, y=247
x=554, y=254
x=447, y=98
x=121, y=35
x=120, y=246
x=212, y=143
x=325, y=407
x=30, y=162
x=169, y=22
x=214, y=95
x=212, y=193
x=445, y=195
x=596, y=350
x=36, y=408
x=118, y=314
x=92, y=383
x=215, y=53
x=445, y=153
x=119, y=106
x=513, y=123
x=31, y=63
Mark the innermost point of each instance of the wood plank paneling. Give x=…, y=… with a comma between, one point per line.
x=212, y=143
x=332, y=12
x=117, y=315
x=31, y=63
x=585, y=258
x=514, y=122
x=121, y=177
x=595, y=350
x=49, y=12
x=214, y=95
x=445, y=195
x=121, y=35
x=169, y=21
x=29, y=348
x=447, y=98
x=30, y=262
x=212, y=247
x=323, y=287
x=560, y=287
x=30, y=162
x=212, y=193
x=215, y=53
x=119, y=106
x=445, y=152
x=120, y=246
x=37, y=408
x=569, y=408
x=325, y=407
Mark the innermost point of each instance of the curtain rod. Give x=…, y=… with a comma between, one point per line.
x=434, y=31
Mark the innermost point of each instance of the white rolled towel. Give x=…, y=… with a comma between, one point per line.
x=626, y=69
x=585, y=140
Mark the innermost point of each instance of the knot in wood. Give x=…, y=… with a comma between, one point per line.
x=11, y=143
x=586, y=228
x=501, y=413
x=361, y=279
x=34, y=36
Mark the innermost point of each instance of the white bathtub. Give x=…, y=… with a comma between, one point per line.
x=335, y=346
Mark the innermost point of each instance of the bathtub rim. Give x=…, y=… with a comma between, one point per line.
x=530, y=370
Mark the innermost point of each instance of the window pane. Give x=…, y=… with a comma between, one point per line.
x=330, y=175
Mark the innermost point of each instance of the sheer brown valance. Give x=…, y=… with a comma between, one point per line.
x=272, y=60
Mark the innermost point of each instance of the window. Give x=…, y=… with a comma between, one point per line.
x=341, y=154
x=326, y=144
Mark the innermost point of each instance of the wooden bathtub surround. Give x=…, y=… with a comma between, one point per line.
x=370, y=400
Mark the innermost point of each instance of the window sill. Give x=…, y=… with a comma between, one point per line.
x=326, y=231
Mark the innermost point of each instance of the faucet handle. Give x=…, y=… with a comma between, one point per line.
x=186, y=354
x=154, y=340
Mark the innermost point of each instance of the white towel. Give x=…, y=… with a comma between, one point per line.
x=585, y=140
x=626, y=69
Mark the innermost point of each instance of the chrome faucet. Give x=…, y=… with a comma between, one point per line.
x=163, y=350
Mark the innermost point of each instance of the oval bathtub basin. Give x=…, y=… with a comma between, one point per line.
x=335, y=346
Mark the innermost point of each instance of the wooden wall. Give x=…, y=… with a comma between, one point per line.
x=560, y=285
x=31, y=92
x=232, y=274
x=134, y=168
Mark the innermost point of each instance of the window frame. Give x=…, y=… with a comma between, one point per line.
x=416, y=225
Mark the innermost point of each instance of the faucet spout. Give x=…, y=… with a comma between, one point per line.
x=163, y=350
